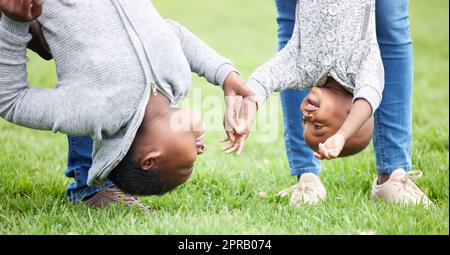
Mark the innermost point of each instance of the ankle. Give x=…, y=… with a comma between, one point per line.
x=382, y=178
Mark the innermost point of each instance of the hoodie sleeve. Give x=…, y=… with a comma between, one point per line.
x=202, y=59
x=74, y=110
x=369, y=82
x=281, y=72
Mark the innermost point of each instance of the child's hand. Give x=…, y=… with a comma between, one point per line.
x=235, y=90
x=21, y=10
x=331, y=148
x=247, y=114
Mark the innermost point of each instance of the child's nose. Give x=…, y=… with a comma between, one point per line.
x=201, y=149
x=200, y=144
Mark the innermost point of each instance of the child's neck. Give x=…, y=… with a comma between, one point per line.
x=332, y=83
x=158, y=108
x=158, y=103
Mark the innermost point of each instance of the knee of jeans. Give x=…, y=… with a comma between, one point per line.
x=393, y=25
x=394, y=35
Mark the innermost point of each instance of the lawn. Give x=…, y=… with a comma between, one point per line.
x=222, y=197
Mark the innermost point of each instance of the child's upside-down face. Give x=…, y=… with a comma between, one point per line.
x=182, y=139
x=170, y=140
x=324, y=110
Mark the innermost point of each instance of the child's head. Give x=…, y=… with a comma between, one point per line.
x=324, y=111
x=163, y=152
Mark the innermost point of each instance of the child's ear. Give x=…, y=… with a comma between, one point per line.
x=148, y=162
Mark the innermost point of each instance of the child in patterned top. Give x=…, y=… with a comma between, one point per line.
x=334, y=52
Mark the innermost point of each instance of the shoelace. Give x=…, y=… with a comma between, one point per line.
x=407, y=182
x=412, y=175
x=300, y=187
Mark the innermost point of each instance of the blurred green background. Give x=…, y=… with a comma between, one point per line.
x=222, y=195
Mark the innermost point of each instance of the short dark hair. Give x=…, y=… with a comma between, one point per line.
x=131, y=179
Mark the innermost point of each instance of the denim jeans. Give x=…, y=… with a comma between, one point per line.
x=79, y=162
x=392, y=138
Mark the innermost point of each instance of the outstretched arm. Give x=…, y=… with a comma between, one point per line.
x=202, y=59
x=281, y=71
x=218, y=70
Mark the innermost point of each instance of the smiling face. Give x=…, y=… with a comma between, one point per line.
x=324, y=111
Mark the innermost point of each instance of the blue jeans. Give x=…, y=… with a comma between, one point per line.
x=392, y=138
x=79, y=162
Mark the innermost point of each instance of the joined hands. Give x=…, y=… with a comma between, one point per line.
x=240, y=113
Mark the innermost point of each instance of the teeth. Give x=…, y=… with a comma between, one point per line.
x=310, y=107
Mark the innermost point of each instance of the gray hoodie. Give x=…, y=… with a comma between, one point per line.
x=110, y=55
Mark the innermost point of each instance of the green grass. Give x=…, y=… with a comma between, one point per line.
x=222, y=195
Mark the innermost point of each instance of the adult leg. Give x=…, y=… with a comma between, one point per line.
x=302, y=162
x=393, y=119
x=79, y=163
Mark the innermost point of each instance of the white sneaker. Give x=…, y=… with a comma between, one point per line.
x=400, y=189
x=308, y=190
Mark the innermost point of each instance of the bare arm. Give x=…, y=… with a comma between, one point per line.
x=360, y=113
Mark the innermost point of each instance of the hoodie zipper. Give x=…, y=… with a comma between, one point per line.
x=154, y=91
x=154, y=88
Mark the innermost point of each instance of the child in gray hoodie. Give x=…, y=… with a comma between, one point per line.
x=119, y=70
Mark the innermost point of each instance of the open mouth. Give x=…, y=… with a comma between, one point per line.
x=311, y=105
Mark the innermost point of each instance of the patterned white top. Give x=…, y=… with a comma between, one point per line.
x=331, y=38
